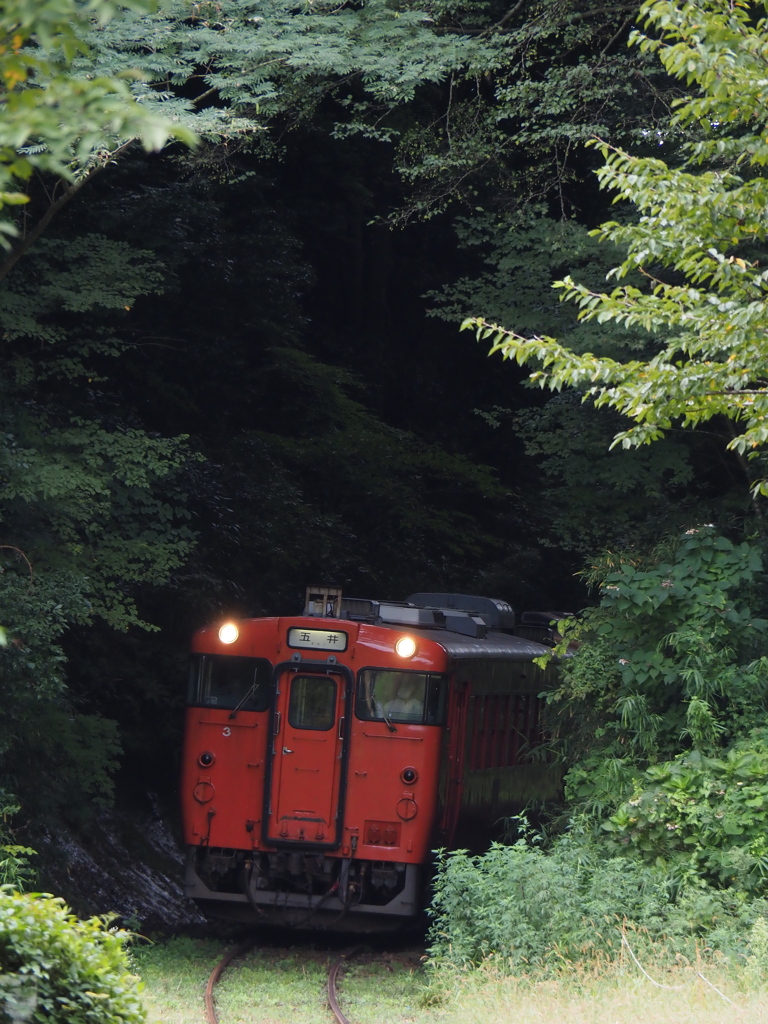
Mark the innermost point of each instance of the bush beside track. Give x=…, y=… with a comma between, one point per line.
x=57, y=968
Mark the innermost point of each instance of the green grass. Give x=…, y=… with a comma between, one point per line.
x=288, y=986
x=617, y=994
x=274, y=988
x=174, y=974
x=387, y=987
x=277, y=986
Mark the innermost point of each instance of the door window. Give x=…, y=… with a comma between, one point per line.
x=312, y=703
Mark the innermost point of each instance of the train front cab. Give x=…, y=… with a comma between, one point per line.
x=305, y=801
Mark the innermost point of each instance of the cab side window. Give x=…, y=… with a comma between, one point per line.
x=407, y=697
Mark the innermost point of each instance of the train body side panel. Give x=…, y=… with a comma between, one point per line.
x=222, y=802
x=505, y=763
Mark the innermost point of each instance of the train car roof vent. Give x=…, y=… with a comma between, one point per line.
x=405, y=614
x=468, y=625
x=359, y=609
x=496, y=614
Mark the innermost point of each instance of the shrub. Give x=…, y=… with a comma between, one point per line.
x=525, y=907
x=57, y=968
x=15, y=861
x=704, y=817
x=670, y=661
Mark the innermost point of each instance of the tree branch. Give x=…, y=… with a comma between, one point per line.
x=624, y=26
x=505, y=20
x=71, y=190
x=20, y=553
x=605, y=10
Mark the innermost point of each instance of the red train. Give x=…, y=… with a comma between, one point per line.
x=327, y=755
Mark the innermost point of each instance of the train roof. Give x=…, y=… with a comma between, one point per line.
x=466, y=626
x=504, y=646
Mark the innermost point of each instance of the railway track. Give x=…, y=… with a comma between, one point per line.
x=245, y=947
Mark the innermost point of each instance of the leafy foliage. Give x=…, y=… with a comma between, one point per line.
x=525, y=908
x=232, y=69
x=54, y=120
x=577, y=486
x=468, y=95
x=82, y=497
x=92, y=506
x=589, y=498
x=519, y=251
x=312, y=471
x=16, y=869
x=673, y=651
x=510, y=129
x=698, y=244
x=58, y=968
x=704, y=817
x=333, y=492
x=665, y=703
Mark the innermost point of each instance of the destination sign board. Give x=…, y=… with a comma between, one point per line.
x=317, y=639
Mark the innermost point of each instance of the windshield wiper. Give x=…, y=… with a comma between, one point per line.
x=248, y=694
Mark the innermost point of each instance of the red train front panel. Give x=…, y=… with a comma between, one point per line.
x=310, y=772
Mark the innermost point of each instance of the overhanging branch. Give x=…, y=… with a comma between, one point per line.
x=71, y=190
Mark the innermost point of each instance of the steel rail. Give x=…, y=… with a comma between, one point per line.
x=216, y=973
x=333, y=973
x=226, y=960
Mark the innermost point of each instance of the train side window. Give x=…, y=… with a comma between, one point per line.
x=228, y=681
x=437, y=699
x=312, y=703
x=408, y=697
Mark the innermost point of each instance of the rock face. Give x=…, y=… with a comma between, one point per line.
x=126, y=863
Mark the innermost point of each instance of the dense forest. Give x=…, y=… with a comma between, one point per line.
x=240, y=240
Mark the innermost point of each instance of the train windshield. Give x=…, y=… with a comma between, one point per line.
x=229, y=681
x=410, y=697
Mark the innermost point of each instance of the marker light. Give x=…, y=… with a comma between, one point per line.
x=406, y=647
x=229, y=633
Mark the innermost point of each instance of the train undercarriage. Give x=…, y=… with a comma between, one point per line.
x=301, y=888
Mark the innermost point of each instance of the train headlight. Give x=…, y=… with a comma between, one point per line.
x=405, y=647
x=229, y=633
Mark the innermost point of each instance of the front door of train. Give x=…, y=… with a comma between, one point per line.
x=308, y=754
